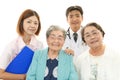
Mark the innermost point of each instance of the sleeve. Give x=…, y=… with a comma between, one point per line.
x=4, y=61
x=73, y=73
x=7, y=54
x=77, y=67
x=31, y=74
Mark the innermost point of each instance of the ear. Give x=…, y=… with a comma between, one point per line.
x=67, y=19
x=47, y=40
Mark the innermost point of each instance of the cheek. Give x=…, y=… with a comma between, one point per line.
x=101, y=39
x=87, y=43
x=85, y=40
x=48, y=41
x=69, y=21
x=62, y=43
x=36, y=26
x=25, y=26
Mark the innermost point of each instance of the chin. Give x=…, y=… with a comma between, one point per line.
x=93, y=46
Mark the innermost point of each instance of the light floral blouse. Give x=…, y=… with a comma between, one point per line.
x=14, y=47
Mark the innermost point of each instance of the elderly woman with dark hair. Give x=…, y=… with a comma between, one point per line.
x=99, y=62
x=52, y=63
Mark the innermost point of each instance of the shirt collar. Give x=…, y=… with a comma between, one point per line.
x=32, y=44
x=78, y=32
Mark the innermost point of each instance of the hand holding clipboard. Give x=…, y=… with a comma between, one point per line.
x=22, y=61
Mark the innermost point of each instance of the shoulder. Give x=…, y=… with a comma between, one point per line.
x=64, y=56
x=82, y=56
x=35, y=41
x=12, y=44
x=63, y=53
x=41, y=52
x=40, y=44
x=112, y=53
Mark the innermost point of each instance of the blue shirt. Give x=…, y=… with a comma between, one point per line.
x=51, y=67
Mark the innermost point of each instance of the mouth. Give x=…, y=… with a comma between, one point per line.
x=55, y=45
x=93, y=42
x=74, y=23
x=32, y=30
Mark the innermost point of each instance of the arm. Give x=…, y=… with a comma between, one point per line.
x=5, y=60
x=73, y=73
x=77, y=67
x=10, y=76
x=31, y=74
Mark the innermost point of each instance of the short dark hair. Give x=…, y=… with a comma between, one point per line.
x=27, y=13
x=76, y=7
x=97, y=26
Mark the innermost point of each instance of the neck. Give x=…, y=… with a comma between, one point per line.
x=52, y=54
x=97, y=51
x=27, y=39
x=75, y=29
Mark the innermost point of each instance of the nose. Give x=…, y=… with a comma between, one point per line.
x=92, y=36
x=74, y=18
x=56, y=39
x=32, y=24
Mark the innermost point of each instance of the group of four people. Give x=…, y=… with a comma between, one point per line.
x=78, y=54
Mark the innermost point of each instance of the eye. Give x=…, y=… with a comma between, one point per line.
x=77, y=15
x=36, y=23
x=28, y=21
x=71, y=16
x=87, y=36
x=52, y=36
x=60, y=38
x=95, y=33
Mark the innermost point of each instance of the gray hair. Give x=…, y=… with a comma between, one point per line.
x=55, y=28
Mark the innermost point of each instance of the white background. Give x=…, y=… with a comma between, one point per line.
x=104, y=12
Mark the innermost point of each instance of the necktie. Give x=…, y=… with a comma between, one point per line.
x=75, y=36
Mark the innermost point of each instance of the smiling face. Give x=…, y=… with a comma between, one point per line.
x=30, y=25
x=55, y=40
x=75, y=19
x=93, y=37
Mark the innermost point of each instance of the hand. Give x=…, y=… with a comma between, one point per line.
x=69, y=51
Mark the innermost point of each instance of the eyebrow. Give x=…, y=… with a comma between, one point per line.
x=74, y=14
x=32, y=20
x=57, y=35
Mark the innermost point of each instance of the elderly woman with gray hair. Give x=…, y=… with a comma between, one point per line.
x=52, y=63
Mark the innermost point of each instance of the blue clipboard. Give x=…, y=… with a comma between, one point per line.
x=22, y=61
